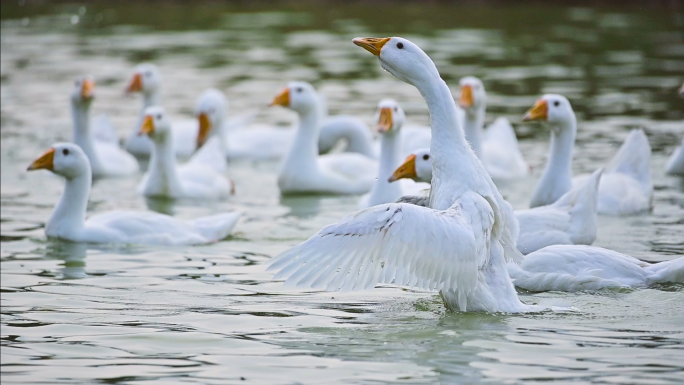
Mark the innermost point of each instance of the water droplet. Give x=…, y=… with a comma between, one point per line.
x=74, y=19
x=82, y=11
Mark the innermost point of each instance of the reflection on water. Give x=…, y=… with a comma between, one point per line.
x=210, y=314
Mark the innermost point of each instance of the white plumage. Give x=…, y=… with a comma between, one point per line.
x=68, y=221
x=579, y=267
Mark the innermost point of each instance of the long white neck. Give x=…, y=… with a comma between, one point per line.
x=69, y=214
x=557, y=177
x=82, y=136
x=473, y=125
x=450, y=152
x=390, y=159
x=303, y=154
x=163, y=177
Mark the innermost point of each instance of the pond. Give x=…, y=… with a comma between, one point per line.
x=211, y=314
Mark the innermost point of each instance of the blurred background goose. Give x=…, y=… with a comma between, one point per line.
x=625, y=187
x=196, y=179
x=106, y=158
x=303, y=170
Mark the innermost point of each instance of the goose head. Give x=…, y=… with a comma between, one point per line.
x=65, y=159
x=300, y=97
x=83, y=91
x=146, y=79
x=417, y=166
x=401, y=58
x=156, y=124
x=390, y=116
x=210, y=110
x=553, y=109
x=473, y=95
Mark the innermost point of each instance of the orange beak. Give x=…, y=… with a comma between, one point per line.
x=540, y=111
x=204, y=129
x=147, y=126
x=371, y=44
x=283, y=98
x=88, y=89
x=385, y=120
x=46, y=161
x=466, y=100
x=135, y=84
x=406, y=170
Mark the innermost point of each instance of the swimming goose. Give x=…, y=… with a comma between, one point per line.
x=303, y=170
x=458, y=245
x=390, y=119
x=625, y=186
x=570, y=220
x=497, y=146
x=107, y=159
x=579, y=267
x=675, y=165
x=269, y=143
x=68, y=221
x=146, y=80
x=195, y=179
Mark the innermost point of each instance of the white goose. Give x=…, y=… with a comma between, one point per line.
x=571, y=220
x=497, y=146
x=390, y=120
x=625, y=186
x=68, y=221
x=579, y=267
x=675, y=165
x=458, y=245
x=195, y=179
x=107, y=159
x=269, y=143
x=303, y=171
x=147, y=81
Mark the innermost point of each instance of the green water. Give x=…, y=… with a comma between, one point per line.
x=210, y=314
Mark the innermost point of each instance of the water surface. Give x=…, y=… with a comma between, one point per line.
x=210, y=314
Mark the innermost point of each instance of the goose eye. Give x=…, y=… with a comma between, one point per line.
x=211, y=110
x=299, y=89
x=396, y=109
x=556, y=103
x=159, y=117
x=426, y=157
x=400, y=45
x=65, y=151
x=148, y=74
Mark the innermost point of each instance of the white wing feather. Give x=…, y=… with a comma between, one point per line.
x=396, y=243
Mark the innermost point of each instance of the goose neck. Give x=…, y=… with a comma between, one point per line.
x=473, y=125
x=81, y=129
x=304, y=150
x=163, y=174
x=70, y=212
x=559, y=165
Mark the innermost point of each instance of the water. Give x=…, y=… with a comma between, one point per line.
x=210, y=314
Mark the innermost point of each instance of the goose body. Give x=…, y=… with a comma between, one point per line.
x=303, y=170
x=200, y=178
x=579, y=267
x=571, y=220
x=390, y=120
x=458, y=245
x=68, y=221
x=497, y=146
x=625, y=187
x=675, y=165
x=107, y=159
